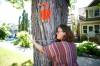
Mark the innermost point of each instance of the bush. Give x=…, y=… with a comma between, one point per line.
x=23, y=39
x=3, y=34
x=88, y=48
x=98, y=53
x=98, y=38
x=16, y=41
x=4, y=31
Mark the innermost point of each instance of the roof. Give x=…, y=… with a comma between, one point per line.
x=94, y=3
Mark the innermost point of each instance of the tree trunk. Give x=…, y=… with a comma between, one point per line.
x=46, y=16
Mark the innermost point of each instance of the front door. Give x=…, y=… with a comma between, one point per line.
x=90, y=31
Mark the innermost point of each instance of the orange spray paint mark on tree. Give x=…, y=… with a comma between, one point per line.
x=45, y=12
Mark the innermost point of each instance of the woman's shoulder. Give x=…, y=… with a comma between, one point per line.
x=52, y=43
x=65, y=42
x=62, y=42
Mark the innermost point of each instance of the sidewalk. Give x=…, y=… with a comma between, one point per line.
x=84, y=61
x=25, y=51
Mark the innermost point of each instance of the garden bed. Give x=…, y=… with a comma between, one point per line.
x=88, y=49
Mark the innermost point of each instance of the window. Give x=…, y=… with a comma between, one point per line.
x=93, y=12
x=97, y=12
x=97, y=27
x=84, y=29
x=90, y=13
x=90, y=28
x=73, y=7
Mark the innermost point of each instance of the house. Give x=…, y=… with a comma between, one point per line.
x=89, y=18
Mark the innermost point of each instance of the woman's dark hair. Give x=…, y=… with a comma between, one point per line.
x=69, y=37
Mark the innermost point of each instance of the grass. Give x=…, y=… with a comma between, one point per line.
x=9, y=57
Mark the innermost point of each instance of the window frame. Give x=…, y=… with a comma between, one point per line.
x=97, y=12
x=97, y=29
x=84, y=29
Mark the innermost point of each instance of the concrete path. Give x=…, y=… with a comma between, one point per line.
x=84, y=61
x=10, y=46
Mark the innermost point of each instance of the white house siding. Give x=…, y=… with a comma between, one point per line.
x=89, y=23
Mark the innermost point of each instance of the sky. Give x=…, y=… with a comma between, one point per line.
x=83, y=3
x=9, y=14
x=80, y=4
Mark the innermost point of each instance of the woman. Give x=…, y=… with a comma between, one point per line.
x=62, y=52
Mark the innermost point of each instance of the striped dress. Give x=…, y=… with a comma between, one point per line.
x=62, y=54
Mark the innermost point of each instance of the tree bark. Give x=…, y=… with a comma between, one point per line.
x=46, y=16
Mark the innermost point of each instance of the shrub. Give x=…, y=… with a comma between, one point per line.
x=16, y=41
x=4, y=31
x=98, y=53
x=98, y=38
x=87, y=47
x=23, y=39
x=2, y=34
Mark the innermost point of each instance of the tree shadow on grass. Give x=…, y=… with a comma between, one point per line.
x=14, y=64
x=26, y=63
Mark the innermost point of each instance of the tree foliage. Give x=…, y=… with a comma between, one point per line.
x=19, y=4
x=23, y=22
x=4, y=31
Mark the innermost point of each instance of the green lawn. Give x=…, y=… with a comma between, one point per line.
x=8, y=57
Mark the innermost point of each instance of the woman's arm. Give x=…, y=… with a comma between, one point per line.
x=38, y=47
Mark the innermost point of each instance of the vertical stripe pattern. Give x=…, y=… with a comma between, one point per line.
x=62, y=54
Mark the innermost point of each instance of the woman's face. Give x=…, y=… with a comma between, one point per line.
x=60, y=34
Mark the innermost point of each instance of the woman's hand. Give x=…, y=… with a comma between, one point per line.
x=37, y=46
x=33, y=41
